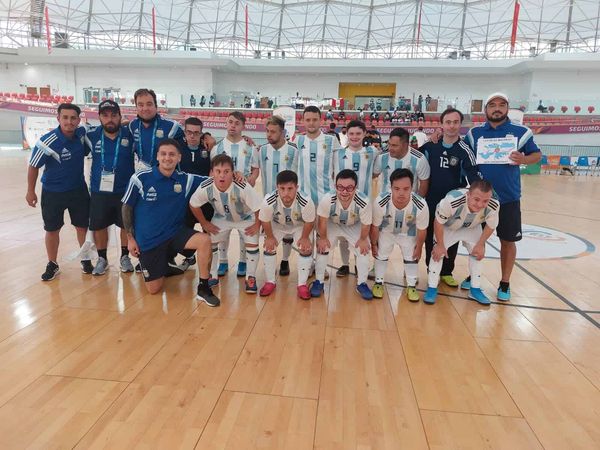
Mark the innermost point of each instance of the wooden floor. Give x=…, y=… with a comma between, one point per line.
x=98, y=363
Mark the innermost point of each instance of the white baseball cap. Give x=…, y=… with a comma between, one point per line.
x=496, y=95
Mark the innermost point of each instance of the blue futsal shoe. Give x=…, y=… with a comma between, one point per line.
x=241, y=272
x=222, y=270
x=364, y=291
x=503, y=296
x=430, y=295
x=478, y=295
x=316, y=288
x=466, y=284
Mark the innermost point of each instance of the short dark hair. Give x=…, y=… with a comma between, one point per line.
x=144, y=91
x=482, y=185
x=277, y=121
x=238, y=115
x=332, y=126
x=450, y=111
x=169, y=141
x=287, y=176
x=70, y=106
x=398, y=174
x=312, y=109
x=400, y=132
x=193, y=121
x=222, y=160
x=347, y=174
x=356, y=124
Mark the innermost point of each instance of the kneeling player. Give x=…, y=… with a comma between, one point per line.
x=458, y=217
x=236, y=205
x=345, y=213
x=400, y=217
x=287, y=213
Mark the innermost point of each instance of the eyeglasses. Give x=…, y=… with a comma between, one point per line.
x=339, y=187
x=193, y=133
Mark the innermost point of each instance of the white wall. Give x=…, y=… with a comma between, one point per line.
x=59, y=77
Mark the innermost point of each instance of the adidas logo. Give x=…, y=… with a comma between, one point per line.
x=445, y=154
x=151, y=189
x=518, y=234
x=64, y=151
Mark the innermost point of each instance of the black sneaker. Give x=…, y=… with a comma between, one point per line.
x=205, y=294
x=138, y=268
x=284, y=268
x=51, y=271
x=86, y=266
x=173, y=269
x=343, y=271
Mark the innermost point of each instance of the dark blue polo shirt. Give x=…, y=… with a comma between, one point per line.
x=62, y=159
x=146, y=139
x=124, y=167
x=159, y=204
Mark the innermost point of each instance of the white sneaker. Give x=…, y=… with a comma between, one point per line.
x=126, y=264
x=101, y=266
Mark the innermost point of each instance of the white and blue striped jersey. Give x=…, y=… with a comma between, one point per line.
x=406, y=221
x=271, y=161
x=301, y=211
x=414, y=161
x=315, y=164
x=359, y=210
x=240, y=152
x=362, y=162
x=454, y=213
x=238, y=203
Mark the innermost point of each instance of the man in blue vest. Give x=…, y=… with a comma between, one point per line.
x=112, y=166
x=61, y=152
x=498, y=130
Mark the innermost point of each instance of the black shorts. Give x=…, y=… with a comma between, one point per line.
x=155, y=261
x=105, y=210
x=509, y=222
x=55, y=203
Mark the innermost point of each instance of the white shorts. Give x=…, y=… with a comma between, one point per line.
x=282, y=231
x=387, y=241
x=349, y=232
x=226, y=227
x=468, y=236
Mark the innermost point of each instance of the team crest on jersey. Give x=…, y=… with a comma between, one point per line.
x=453, y=161
x=124, y=142
x=160, y=134
x=367, y=156
x=324, y=146
x=296, y=215
x=409, y=217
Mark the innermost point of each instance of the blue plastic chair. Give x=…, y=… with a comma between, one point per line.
x=583, y=165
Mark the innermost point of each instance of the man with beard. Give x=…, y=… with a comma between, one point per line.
x=506, y=178
x=112, y=165
x=149, y=129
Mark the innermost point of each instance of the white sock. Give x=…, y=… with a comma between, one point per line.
x=434, y=272
x=214, y=264
x=345, y=252
x=242, y=248
x=411, y=269
x=380, y=266
x=321, y=266
x=475, y=272
x=362, y=267
x=270, y=260
x=253, y=256
x=304, y=265
x=287, y=249
x=223, y=251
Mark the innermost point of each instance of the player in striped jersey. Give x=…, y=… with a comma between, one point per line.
x=236, y=206
x=400, y=217
x=361, y=160
x=458, y=217
x=344, y=213
x=315, y=156
x=270, y=159
x=240, y=151
x=401, y=156
x=287, y=213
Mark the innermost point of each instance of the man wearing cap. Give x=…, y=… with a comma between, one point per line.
x=61, y=152
x=149, y=129
x=499, y=132
x=112, y=165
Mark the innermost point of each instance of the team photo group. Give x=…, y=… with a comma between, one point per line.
x=176, y=194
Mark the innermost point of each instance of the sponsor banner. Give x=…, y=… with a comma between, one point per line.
x=35, y=127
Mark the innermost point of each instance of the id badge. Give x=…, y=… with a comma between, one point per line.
x=107, y=181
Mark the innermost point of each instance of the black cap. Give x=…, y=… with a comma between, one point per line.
x=109, y=105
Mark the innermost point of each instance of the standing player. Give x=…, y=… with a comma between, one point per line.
x=361, y=160
x=61, y=152
x=401, y=156
x=240, y=151
x=400, y=217
x=458, y=217
x=270, y=159
x=112, y=166
x=287, y=212
x=153, y=210
x=149, y=129
x=452, y=163
x=236, y=206
x=345, y=213
x=506, y=178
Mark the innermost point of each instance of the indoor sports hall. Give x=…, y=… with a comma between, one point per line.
x=90, y=358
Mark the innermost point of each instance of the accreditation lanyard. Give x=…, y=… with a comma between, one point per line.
x=141, y=154
x=117, y=148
